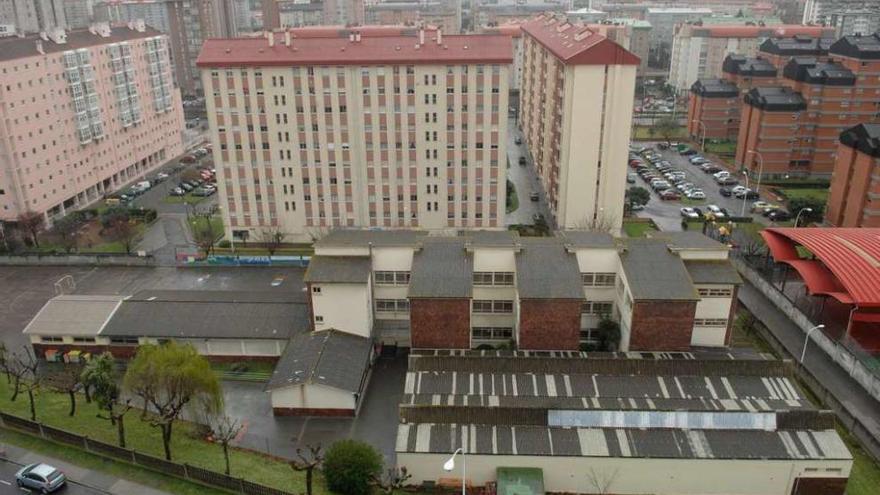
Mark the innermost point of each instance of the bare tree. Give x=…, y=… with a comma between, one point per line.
x=272, y=237
x=66, y=381
x=602, y=480
x=308, y=462
x=27, y=376
x=122, y=231
x=5, y=362
x=393, y=479
x=32, y=223
x=316, y=233
x=67, y=230
x=204, y=234
x=224, y=430
x=602, y=222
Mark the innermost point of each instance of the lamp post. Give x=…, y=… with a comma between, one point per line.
x=798, y=217
x=760, y=168
x=702, y=141
x=449, y=465
x=806, y=341
x=742, y=212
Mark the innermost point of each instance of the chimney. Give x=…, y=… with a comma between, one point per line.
x=40, y=47
x=271, y=36
x=351, y=37
x=439, y=36
x=287, y=38
x=422, y=36
x=357, y=36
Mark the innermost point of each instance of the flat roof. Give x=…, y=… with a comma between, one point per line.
x=654, y=273
x=756, y=31
x=326, y=357
x=370, y=50
x=14, y=47
x=712, y=272
x=689, y=239
x=73, y=315
x=364, y=238
x=576, y=44
x=442, y=268
x=339, y=269
x=546, y=270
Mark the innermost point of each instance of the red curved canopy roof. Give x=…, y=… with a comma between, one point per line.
x=846, y=264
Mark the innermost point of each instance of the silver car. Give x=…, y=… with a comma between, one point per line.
x=40, y=477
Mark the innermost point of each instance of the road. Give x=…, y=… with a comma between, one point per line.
x=667, y=214
x=525, y=179
x=7, y=483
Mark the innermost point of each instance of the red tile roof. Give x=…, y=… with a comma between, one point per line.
x=370, y=50
x=847, y=264
x=576, y=44
x=772, y=30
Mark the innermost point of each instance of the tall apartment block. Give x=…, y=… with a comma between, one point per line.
x=369, y=130
x=794, y=129
x=442, y=14
x=855, y=185
x=33, y=16
x=576, y=101
x=81, y=114
x=298, y=13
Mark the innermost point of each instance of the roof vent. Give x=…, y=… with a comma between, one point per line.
x=397, y=48
x=228, y=50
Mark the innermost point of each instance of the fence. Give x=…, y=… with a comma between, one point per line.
x=109, y=259
x=184, y=471
x=190, y=259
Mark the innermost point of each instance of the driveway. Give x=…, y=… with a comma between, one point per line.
x=667, y=214
x=524, y=179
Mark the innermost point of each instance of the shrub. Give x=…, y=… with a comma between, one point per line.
x=225, y=244
x=349, y=467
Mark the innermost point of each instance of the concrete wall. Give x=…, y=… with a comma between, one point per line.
x=639, y=475
x=312, y=399
x=346, y=307
x=76, y=260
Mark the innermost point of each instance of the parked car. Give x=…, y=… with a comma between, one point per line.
x=161, y=176
x=698, y=159
x=522, y=161
x=726, y=192
x=669, y=195
x=687, y=152
x=662, y=146
x=534, y=196
x=537, y=217
x=186, y=186
x=758, y=206
x=688, y=212
x=728, y=181
x=716, y=210
x=188, y=159
x=202, y=191
x=630, y=178
x=745, y=194
x=696, y=194
x=177, y=191
x=40, y=477
x=517, y=140
x=779, y=215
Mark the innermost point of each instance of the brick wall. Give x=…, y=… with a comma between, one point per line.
x=549, y=324
x=662, y=325
x=819, y=486
x=440, y=323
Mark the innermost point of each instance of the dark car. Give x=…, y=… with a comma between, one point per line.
x=726, y=192
x=779, y=216
x=185, y=186
x=752, y=195
x=670, y=194
x=711, y=169
x=534, y=196
x=662, y=146
x=517, y=140
x=522, y=160
x=687, y=152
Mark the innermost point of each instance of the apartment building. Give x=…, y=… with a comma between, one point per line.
x=296, y=13
x=855, y=184
x=441, y=14
x=81, y=114
x=33, y=16
x=513, y=30
x=778, y=51
x=836, y=92
x=699, y=51
x=490, y=288
x=576, y=100
x=822, y=11
x=376, y=130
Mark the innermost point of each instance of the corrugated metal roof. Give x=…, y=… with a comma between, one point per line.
x=326, y=357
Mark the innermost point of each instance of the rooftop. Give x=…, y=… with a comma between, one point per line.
x=339, y=269
x=546, y=270
x=748, y=66
x=714, y=88
x=654, y=272
x=576, y=44
x=776, y=99
x=689, y=239
x=586, y=239
x=860, y=47
x=363, y=238
x=442, y=267
x=863, y=137
x=679, y=10
x=326, y=357
x=712, y=272
x=758, y=31
x=364, y=50
x=812, y=71
x=797, y=45
x=73, y=315
x=14, y=47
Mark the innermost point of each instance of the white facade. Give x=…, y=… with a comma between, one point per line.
x=312, y=396
x=344, y=307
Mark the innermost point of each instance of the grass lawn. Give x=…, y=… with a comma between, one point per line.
x=642, y=133
x=102, y=464
x=725, y=147
x=199, y=222
x=637, y=229
x=186, y=198
x=817, y=194
x=865, y=476
x=685, y=201
x=47, y=246
x=52, y=409
x=512, y=198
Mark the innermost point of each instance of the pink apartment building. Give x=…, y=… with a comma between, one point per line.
x=81, y=114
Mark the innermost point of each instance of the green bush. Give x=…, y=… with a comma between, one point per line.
x=349, y=466
x=224, y=244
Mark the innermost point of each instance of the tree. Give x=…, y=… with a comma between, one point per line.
x=190, y=174
x=203, y=233
x=601, y=223
x=609, y=334
x=32, y=223
x=350, y=466
x=666, y=127
x=27, y=377
x=224, y=430
x=637, y=196
x=393, y=480
x=272, y=238
x=66, y=381
x=168, y=378
x=67, y=229
x=99, y=375
x=308, y=462
x=123, y=232
x=798, y=204
x=5, y=362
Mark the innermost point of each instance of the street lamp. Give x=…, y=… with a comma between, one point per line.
x=702, y=141
x=449, y=465
x=806, y=341
x=742, y=213
x=798, y=217
x=760, y=168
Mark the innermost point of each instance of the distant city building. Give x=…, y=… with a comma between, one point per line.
x=698, y=51
x=855, y=186
x=515, y=32
x=587, y=15
x=442, y=14
x=664, y=20
x=632, y=34
x=33, y=16
x=822, y=11
x=409, y=133
x=576, y=102
x=298, y=13
x=856, y=22
x=85, y=112
x=78, y=13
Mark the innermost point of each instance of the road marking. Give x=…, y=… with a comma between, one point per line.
x=6, y=482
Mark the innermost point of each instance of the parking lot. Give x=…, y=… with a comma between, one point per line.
x=667, y=214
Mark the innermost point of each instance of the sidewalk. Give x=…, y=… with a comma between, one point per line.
x=855, y=401
x=87, y=477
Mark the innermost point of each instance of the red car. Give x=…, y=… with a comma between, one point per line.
x=669, y=195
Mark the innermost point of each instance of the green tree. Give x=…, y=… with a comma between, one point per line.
x=99, y=375
x=350, y=467
x=817, y=206
x=666, y=127
x=609, y=334
x=168, y=378
x=637, y=196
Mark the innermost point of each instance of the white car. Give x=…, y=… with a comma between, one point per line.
x=716, y=211
x=721, y=174
x=759, y=206
x=689, y=213
x=738, y=189
x=696, y=194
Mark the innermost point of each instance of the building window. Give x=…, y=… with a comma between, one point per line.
x=392, y=305
x=316, y=290
x=589, y=335
x=710, y=322
x=124, y=340
x=599, y=308
x=709, y=292
x=498, y=334
x=493, y=278
x=84, y=340
x=491, y=306
x=319, y=319
x=391, y=278
x=51, y=339
x=598, y=279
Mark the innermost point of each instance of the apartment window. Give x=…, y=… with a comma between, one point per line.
x=493, y=278
x=492, y=306
x=391, y=277
x=492, y=333
x=710, y=322
x=51, y=339
x=709, y=292
x=598, y=279
x=392, y=305
x=601, y=308
x=84, y=340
